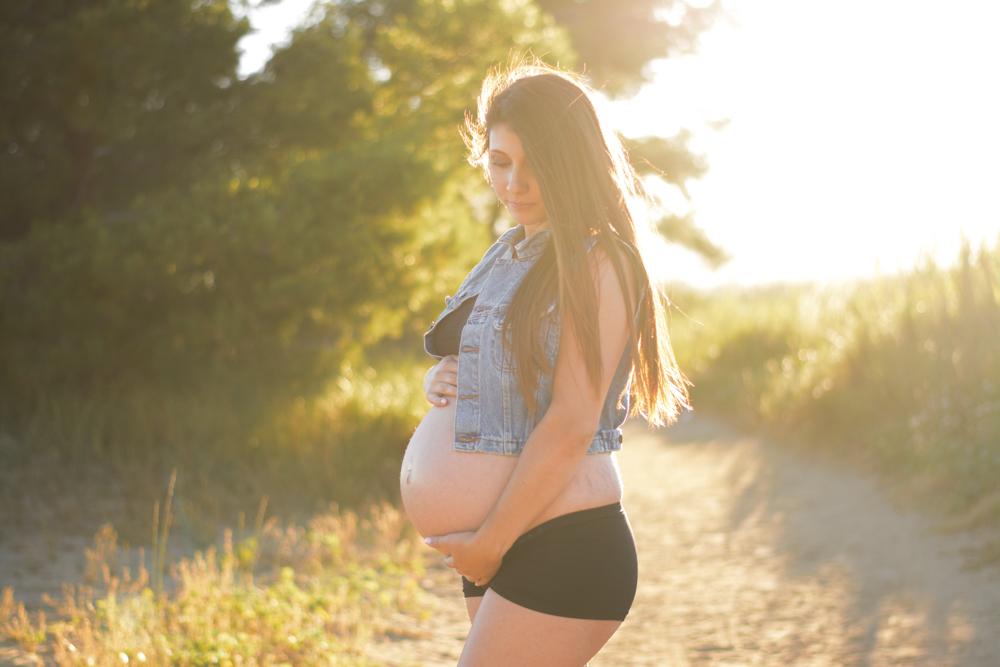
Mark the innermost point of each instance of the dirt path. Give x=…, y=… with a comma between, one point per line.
x=751, y=556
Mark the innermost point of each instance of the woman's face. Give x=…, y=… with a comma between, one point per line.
x=513, y=180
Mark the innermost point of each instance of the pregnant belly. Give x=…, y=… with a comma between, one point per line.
x=444, y=490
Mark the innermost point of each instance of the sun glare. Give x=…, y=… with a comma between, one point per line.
x=860, y=136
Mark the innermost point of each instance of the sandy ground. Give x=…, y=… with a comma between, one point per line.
x=749, y=555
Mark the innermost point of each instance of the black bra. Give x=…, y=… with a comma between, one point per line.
x=448, y=331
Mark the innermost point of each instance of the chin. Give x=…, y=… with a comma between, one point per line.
x=529, y=221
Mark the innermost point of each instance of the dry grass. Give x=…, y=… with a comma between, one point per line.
x=281, y=594
x=899, y=375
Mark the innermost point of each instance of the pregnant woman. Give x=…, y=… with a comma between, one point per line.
x=512, y=473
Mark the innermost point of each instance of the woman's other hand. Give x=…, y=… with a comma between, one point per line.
x=469, y=554
x=441, y=381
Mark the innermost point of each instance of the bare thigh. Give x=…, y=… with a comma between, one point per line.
x=472, y=606
x=505, y=633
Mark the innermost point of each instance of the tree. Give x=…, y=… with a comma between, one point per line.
x=294, y=252
x=102, y=100
x=182, y=223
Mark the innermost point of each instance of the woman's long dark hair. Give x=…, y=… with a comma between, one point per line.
x=588, y=188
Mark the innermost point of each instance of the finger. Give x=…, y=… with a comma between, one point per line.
x=437, y=397
x=448, y=377
x=439, y=543
x=441, y=394
x=443, y=388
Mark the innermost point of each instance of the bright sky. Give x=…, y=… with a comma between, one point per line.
x=862, y=134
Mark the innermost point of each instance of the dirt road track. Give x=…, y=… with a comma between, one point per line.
x=749, y=555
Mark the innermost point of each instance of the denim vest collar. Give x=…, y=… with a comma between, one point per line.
x=517, y=247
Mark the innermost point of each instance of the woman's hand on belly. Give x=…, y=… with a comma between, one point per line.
x=442, y=381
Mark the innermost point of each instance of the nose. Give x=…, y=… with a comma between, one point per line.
x=517, y=182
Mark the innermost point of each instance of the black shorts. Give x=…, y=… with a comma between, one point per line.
x=582, y=565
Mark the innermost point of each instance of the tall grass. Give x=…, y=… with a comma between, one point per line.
x=284, y=594
x=901, y=373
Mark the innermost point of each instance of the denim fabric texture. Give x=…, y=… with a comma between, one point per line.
x=490, y=415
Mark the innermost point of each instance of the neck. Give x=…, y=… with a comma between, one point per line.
x=531, y=230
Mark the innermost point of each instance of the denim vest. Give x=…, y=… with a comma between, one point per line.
x=490, y=415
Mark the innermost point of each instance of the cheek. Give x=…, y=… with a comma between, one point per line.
x=496, y=178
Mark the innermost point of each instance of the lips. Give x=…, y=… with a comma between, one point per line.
x=519, y=205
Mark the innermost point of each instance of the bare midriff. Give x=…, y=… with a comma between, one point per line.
x=445, y=490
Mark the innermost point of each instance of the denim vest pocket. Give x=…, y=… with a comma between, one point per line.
x=549, y=325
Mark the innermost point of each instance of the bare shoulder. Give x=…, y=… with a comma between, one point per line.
x=606, y=278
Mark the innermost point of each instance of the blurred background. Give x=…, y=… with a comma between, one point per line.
x=225, y=226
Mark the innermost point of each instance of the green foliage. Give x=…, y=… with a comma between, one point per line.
x=102, y=100
x=325, y=238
